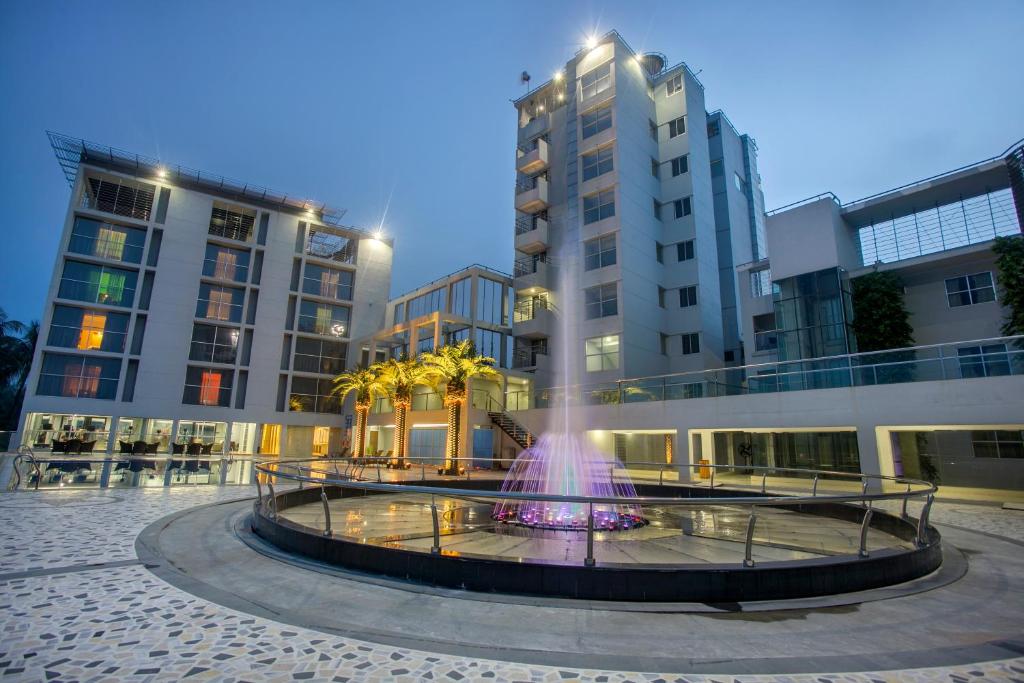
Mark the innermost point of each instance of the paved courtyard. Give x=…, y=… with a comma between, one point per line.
x=76, y=603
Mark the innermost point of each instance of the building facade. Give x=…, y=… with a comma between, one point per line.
x=186, y=309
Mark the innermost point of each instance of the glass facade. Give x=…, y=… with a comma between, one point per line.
x=311, y=395
x=212, y=344
x=327, y=282
x=226, y=263
x=972, y=458
x=208, y=386
x=836, y=451
x=461, y=295
x=491, y=302
x=78, y=376
x=87, y=329
x=319, y=355
x=427, y=303
x=106, y=240
x=98, y=284
x=812, y=314
x=325, y=319
x=220, y=303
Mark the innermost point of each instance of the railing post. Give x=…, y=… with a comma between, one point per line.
x=863, y=490
x=661, y=477
x=905, y=499
x=814, y=487
x=712, y=481
x=436, y=548
x=273, y=500
x=864, y=524
x=327, y=511
x=922, y=522
x=259, y=492
x=748, y=549
x=764, y=478
x=589, y=561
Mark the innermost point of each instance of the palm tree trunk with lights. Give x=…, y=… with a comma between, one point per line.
x=454, y=400
x=401, y=410
x=362, y=417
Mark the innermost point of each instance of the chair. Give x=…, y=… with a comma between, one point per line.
x=194, y=449
x=87, y=446
x=73, y=446
x=177, y=449
x=139, y=447
x=151, y=447
x=59, y=447
x=206, y=449
x=126, y=447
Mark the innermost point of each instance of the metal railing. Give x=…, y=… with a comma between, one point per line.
x=526, y=183
x=528, y=222
x=993, y=357
x=528, y=265
x=367, y=478
x=528, y=309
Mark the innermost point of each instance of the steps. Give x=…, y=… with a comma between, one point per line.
x=519, y=434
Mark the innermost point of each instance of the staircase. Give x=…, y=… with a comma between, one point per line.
x=519, y=434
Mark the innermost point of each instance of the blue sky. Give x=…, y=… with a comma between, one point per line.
x=354, y=104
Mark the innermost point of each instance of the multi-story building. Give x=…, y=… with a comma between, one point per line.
x=186, y=308
x=625, y=180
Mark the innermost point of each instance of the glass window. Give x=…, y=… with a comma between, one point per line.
x=766, y=337
x=122, y=198
x=659, y=252
x=998, y=444
x=426, y=303
x=87, y=329
x=399, y=313
x=488, y=343
x=331, y=246
x=220, y=303
x=327, y=282
x=233, y=222
x=761, y=282
x=490, y=302
x=311, y=395
x=970, y=289
x=599, y=252
x=688, y=296
x=655, y=168
x=461, y=292
x=227, y=263
x=208, y=386
x=738, y=181
x=598, y=206
x=691, y=343
x=674, y=85
x=717, y=169
x=684, y=250
x=106, y=240
x=98, y=284
x=325, y=319
x=596, y=81
x=680, y=165
x=601, y=301
x=320, y=355
x=677, y=127
x=212, y=344
x=597, y=163
x=653, y=129
x=713, y=129
x=602, y=353
x=78, y=376
x=989, y=360
x=682, y=207
x=593, y=122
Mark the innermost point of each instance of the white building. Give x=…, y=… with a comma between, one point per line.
x=187, y=308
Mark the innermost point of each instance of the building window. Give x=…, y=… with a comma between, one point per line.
x=989, y=360
x=78, y=376
x=599, y=253
x=399, y=313
x=602, y=353
x=232, y=222
x=680, y=165
x=87, y=330
x=491, y=302
x=320, y=356
x=593, y=122
x=659, y=252
x=212, y=344
x=331, y=246
x=220, y=303
x=311, y=395
x=676, y=127
x=691, y=343
x=661, y=297
x=426, y=303
x=459, y=296
x=655, y=168
x=684, y=250
x=226, y=263
x=657, y=209
x=674, y=85
x=766, y=336
x=998, y=444
x=713, y=129
x=598, y=206
x=327, y=282
x=653, y=127
x=208, y=386
x=688, y=296
x=761, y=282
x=488, y=343
x=97, y=284
x=106, y=240
x=970, y=289
x=114, y=196
x=601, y=301
x=717, y=169
x=682, y=207
x=597, y=163
x=738, y=181
x=325, y=319
x=596, y=81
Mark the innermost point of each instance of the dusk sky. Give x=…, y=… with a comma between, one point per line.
x=405, y=106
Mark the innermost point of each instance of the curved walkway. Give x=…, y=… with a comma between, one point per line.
x=76, y=602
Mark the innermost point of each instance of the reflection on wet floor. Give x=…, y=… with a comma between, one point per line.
x=674, y=534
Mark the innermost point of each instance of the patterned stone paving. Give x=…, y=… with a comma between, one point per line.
x=122, y=623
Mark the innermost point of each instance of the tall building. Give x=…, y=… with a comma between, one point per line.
x=621, y=170
x=190, y=309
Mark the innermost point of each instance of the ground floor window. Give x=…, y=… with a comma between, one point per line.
x=968, y=458
x=59, y=432
x=426, y=444
x=831, y=451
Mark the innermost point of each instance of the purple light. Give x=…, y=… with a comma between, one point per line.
x=566, y=464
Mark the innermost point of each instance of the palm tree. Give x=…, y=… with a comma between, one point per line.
x=9, y=327
x=365, y=383
x=399, y=378
x=455, y=365
x=15, y=363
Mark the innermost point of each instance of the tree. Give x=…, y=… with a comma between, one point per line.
x=1010, y=267
x=880, y=318
x=9, y=327
x=15, y=363
x=455, y=365
x=398, y=379
x=365, y=383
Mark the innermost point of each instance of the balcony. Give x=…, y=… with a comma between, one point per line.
x=532, y=194
x=532, y=157
x=534, y=127
x=532, y=233
x=532, y=319
x=532, y=274
x=527, y=359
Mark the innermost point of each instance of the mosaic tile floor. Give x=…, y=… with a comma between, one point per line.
x=60, y=620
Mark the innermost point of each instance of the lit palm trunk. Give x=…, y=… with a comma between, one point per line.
x=362, y=416
x=401, y=409
x=454, y=400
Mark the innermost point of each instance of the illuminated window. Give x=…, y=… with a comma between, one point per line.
x=91, y=336
x=78, y=376
x=110, y=243
x=602, y=353
x=220, y=303
x=209, y=390
x=227, y=263
x=321, y=440
x=207, y=386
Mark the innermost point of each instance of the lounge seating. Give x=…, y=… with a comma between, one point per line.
x=177, y=449
x=206, y=449
x=59, y=447
x=87, y=446
x=151, y=447
x=193, y=449
x=126, y=447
